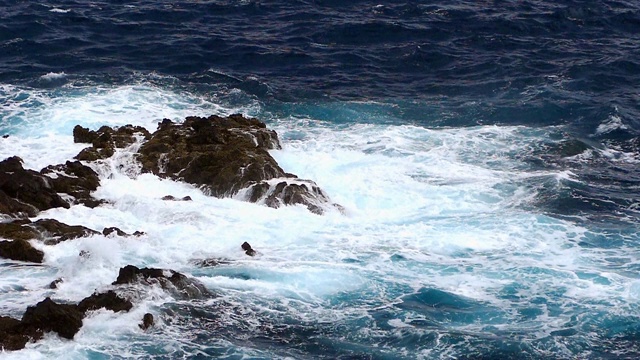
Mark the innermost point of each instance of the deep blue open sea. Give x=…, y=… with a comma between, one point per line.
x=486, y=152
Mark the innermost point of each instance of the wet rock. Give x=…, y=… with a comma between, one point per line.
x=224, y=155
x=54, y=283
x=17, y=231
x=247, y=249
x=53, y=231
x=11, y=334
x=173, y=198
x=20, y=250
x=84, y=254
x=109, y=300
x=291, y=192
x=110, y=230
x=25, y=192
x=211, y=262
x=139, y=233
x=172, y=281
x=105, y=140
x=76, y=180
x=48, y=315
x=147, y=321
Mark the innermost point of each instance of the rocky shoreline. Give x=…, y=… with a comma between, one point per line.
x=223, y=156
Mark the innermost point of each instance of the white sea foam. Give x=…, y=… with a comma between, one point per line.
x=614, y=122
x=60, y=11
x=53, y=76
x=425, y=209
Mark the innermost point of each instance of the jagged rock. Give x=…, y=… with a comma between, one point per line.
x=20, y=250
x=105, y=140
x=247, y=249
x=290, y=192
x=47, y=315
x=170, y=280
x=224, y=155
x=11, y=334
x=75, y=179
x=109, y=300
x=25, y=192
x=147, y=321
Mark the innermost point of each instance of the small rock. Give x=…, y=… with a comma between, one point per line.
x=111, y=230
x=54, y=283
x=247, y=249
x=147, y=321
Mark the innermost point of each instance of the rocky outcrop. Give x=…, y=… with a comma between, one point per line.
x=105, y=140
x=174, y=282
x=25, y=192
x=50, y=231
x=227, y=156
x=12, y=334
x=76, y=180
x=20, y=250
x=47, y=315
x=53, y=231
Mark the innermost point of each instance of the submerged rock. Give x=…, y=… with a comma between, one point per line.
x=54, y=283
x=173, y=198
x=20, y=250
x=172, y=281
x=248, y=249
x=147, y=321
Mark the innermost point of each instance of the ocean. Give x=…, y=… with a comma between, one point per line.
x=485, y=153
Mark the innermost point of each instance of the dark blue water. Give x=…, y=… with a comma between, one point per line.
x=570, y=69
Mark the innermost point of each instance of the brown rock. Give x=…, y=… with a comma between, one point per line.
x=26, y=188
x=20, y=250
